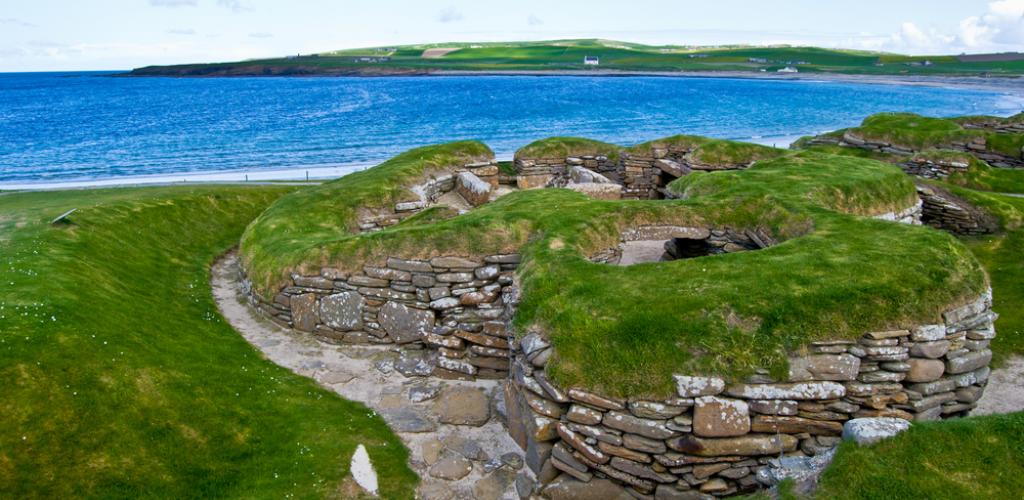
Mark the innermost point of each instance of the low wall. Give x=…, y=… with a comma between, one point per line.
x=977, y=147
x=542, y=172
x=943, y=210
x=454, y=307
x=714, y=437
x=426, y=194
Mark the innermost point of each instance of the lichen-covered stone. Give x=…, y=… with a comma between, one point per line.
x=405, y=324
x=720, y=417
x=688, y=386
x=342, y=311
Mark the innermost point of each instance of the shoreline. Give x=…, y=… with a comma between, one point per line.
x=295, y=174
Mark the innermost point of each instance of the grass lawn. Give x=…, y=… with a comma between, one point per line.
x=120, y=379
x=977, y=457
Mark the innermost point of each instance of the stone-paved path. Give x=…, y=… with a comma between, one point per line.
x=1005, y=390
x=476, y=460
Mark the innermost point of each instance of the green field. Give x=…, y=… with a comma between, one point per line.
x=568, y=55
x=120, y=379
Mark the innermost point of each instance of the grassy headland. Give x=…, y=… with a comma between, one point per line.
x=568, y=55
x=120, y=379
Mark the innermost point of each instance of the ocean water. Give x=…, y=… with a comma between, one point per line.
x=86, y=126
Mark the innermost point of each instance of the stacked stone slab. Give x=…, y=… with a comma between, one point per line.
x=719, y=240
x=644, y=175
x=933, y=168
x=452, y=306
x=544, y=172
x=713, y=437
x=425, y=195
x=977, y=146
x=943, y=210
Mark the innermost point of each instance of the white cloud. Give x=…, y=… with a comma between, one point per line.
x=11, y=21
x=1000, y=28
x=533, y=20
x=173, y=3
x=449, y=15
x=185, y=32
x=261, y=35
x=235, y=6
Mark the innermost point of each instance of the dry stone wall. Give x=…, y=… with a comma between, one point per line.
x=943, y=210
x=977, y=146
x=429, y=191
x=544, y=172
x=452, y=306
x=717, y=438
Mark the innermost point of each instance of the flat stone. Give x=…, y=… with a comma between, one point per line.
x=595, y=400
x=415, y=266
x=579, y=443
x=406, y=419
x=640, y=443
x=749, y=445
x=720, y=417
x=866, y=431
x=688, y=386
x=454, y=263
x=935, y=387
x=670, y=492
x=405, y=324
x=640, y=470
x=565, y=487
x=966, y=363
x=890, y=334
x=797, y=391
x=451, y=467
x=625, y=422
x=622, y=451
x=655, y=410
x=795, y=425
x=928, y=333
x=584, y=415
x=414, y=363
x=423, y=393
x=773, y=407
x=834, y=367
x=925, y=370
x=493, y=486
x=463, y=406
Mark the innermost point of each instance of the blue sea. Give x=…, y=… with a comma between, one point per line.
x=91, y=127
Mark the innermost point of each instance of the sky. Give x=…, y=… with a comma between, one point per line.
x=67, y=35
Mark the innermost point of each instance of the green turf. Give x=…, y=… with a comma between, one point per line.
x=835, y=274
x=921, y=133
x=121, y=380
x=615, y=55
x=565, y=147
x=978, y=458
x=708, y=151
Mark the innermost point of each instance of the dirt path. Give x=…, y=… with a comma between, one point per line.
x=371, y=376
x=1005, y=390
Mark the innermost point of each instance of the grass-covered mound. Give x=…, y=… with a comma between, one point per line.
x=977, y=457
x=565, y=147
x=708, y=151
x=120, y=379
x=835, y=273
x=920, y=133
x=329, y=211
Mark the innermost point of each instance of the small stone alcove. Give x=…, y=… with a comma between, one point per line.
x=645, y=244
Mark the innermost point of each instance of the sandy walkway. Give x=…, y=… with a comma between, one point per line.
x=369, y=375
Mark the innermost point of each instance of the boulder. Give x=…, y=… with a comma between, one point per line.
x=405, y=324
x=342, y=311
x=720, y=417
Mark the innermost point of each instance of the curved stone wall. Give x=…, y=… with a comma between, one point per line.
x=714, y=437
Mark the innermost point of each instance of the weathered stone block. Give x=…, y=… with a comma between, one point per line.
x=797, y=391
x=688, y=386
x=834, y=367
x=342, y=311
x=304, y=312
x=925, y=370
x=654, y=429
x=405, y=324
x=795, y=425
x=751, y=444
x=968, y=362
x=720, y=417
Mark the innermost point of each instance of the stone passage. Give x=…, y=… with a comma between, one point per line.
x=717, y=438
x=664, y=243
x=943, y=210
x=452, y=305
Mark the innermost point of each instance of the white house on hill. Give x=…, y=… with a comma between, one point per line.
x=591, y=60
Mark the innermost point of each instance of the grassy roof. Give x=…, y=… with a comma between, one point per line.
x=329, y=211
x=835, y=274
x=708, y=151
x=920, y=132
x=565, y=147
